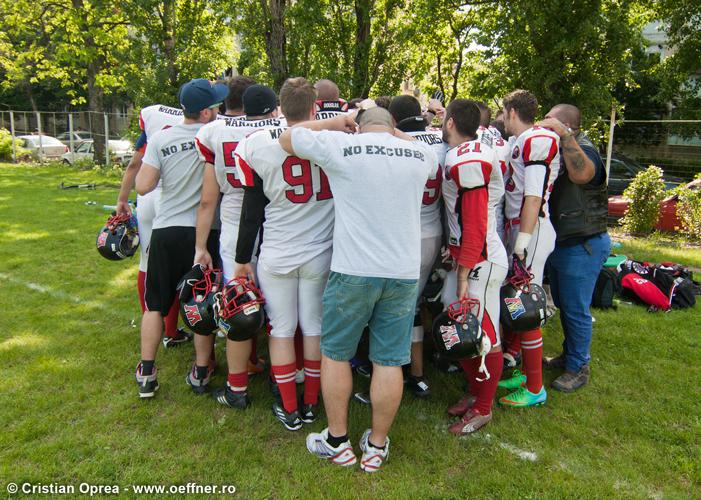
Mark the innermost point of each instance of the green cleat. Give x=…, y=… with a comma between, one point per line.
x=517, y=380
x=523, y=397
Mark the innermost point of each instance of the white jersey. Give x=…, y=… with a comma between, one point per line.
x=155, y=118
x=299, y=217
x=430, y=208
x=329, y=109
x=469, y=167
x=533, y=167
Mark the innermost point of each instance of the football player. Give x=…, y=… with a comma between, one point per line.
x=216, y=143
x=472, y=190
x=406, y=111
x=328, y=102
x=293, y=198
x=534, y=165
x=171, y=157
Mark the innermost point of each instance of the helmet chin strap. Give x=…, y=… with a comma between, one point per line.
x=485, y=348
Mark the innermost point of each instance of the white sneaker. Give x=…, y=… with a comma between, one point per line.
x=372, y=458
x=318, y=445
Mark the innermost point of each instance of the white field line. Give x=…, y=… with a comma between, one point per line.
x=57, y=294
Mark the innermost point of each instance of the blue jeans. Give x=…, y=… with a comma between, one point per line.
x=573, y=272
x=385, y=305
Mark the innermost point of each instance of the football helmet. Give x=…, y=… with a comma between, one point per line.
x=240, y=309
x=199, y=291
x=523, y=304
x=119, y=238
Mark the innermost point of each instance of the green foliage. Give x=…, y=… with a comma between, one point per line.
x=645, y=193
x=689, y=210
x=6, y=146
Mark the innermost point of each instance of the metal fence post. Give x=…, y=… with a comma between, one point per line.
x=14, y=140
x=107, y=140
x=41, y=145
x=609, y=148
x=70, y=135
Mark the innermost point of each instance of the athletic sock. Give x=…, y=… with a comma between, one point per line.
x=383, y=447
x=513, y=342
x=238, y=382
x=285, y=378
x=532, y=346
x=470, y=368
x=487, y=388
x=147, y=366
x=201, y=372
x=312, y=381
x=141, y=288
x=171, y=320
x=337, y=441
x=299, y=349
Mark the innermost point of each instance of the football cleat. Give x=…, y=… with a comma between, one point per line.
x=362, y=397
x=470, y=422
x=462, y=406
x=342, y=455
x=418, y=386
x=199, y=386
x=516, y=380
x=225, y=396
x=372, y=458
x=291, y=421
x=308, y=413
x=523, y=397
x=148, y=384
x=181, y=337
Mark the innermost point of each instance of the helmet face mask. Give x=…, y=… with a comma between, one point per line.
x=240, y=310
x=523, y=303
x=119, y=237
x=199, y=294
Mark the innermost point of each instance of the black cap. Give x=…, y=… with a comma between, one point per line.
x=259, y=100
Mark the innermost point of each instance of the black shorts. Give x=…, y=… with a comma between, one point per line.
x=170, y=257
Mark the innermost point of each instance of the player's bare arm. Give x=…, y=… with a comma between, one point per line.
x=579, y=167
x=463, y=287
x=147, y=179
x=128, y=182
x=209, y=199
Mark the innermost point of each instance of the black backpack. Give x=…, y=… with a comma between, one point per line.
x=605, y=289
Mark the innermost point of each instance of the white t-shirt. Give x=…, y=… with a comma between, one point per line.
x=431, y=204
x=378, y=184
x=173, y=152
x=299, y=218
x=533, y=167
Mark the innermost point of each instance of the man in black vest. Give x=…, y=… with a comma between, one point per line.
x=579, y=207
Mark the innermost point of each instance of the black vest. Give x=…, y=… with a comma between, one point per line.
x=578, y=210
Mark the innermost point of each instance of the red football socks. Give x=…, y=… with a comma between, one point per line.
x=532, y=348
x=469, y=368
x=312, y=381
x=171, y=320
x=486, y=389
x=238, y=382
x=513, y=342
x=141, y=288
x=285, y=378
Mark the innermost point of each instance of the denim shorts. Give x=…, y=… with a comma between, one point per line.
x=385, y=305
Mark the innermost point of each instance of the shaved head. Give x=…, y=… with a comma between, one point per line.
x=327, y=90
x=567, y=114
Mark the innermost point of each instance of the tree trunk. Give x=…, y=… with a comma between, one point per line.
x=169, y=43
x=96, y=107
x=361, y=51
x=276, y=40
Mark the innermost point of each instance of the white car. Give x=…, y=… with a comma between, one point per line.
x=121, y=151
x=51, y=148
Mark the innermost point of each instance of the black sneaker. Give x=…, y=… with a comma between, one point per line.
x=557, y=363
x=362, y=397
x=307, y=412
x=181, y=337
x=418, y=386
x=148, y=385
x=227, y=397
x=291, y=421
x=199, y=386
x=364, y=370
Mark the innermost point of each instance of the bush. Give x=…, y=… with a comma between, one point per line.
x=645, y=193
x=689, y=211
x=6, y=146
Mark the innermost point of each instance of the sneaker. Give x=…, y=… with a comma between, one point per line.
x=444, y=364
x=227, y=397
x=291, y=421
x=182, y=336
x=342, y=455
x=557, y=363
x=372, y=458
x=571, y=381
x=516, y=380
x=299, y=377
x=470, y=422
x=462, y=406
x=418, y=386
x=523, y=397
x=511, y=361
x=308, y=412
x=362, y=397
x=148, y=385
x=258, y=368
x=364, y=370
x=198, y=386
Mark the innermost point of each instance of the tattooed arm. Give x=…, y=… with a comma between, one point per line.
x=579, y=167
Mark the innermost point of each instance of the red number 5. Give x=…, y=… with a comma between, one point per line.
x=229, y=161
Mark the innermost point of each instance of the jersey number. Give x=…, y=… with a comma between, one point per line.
x=230, y=161
x=433, y=188
x=469, y=147
x=303, y=178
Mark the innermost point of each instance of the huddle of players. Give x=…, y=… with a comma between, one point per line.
x=495, y=199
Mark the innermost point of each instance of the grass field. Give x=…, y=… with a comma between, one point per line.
x=70, y=411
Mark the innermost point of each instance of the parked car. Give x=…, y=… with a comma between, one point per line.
x=121, y=151
x=668, y=221
x=624, y=169
x=51, y=148
x=78, y=137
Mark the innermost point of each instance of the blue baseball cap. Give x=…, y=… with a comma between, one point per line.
x=200, y=93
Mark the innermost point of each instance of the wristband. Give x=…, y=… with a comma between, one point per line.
x=522, y=242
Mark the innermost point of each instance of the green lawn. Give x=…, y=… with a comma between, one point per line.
x=71, y=414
